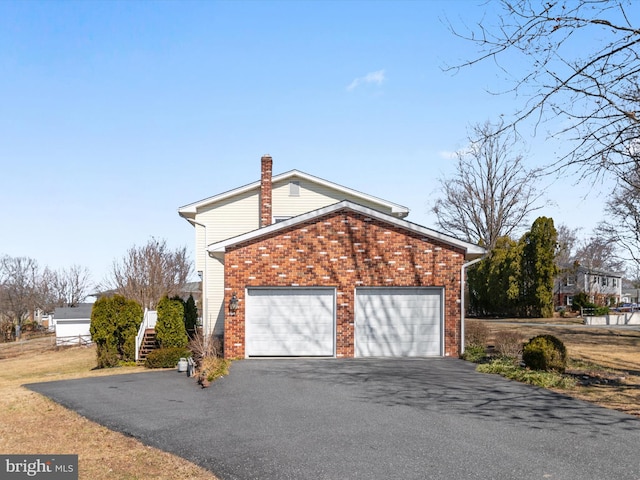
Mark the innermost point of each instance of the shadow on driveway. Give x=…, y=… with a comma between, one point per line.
x=361, y=418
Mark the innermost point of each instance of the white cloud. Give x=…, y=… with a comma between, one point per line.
x=372, y=77
x=448, y=155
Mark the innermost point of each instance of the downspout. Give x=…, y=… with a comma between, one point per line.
x=462, y=283
x=205, y=297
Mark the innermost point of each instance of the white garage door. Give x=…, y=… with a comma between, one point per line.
x=398, y=322
x=290, y=322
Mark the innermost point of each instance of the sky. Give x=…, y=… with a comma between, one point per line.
x=113, y=114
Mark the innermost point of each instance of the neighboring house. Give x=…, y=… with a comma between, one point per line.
x=294, y=265
x=602, y=287
x=72, y=324
x=630, y=296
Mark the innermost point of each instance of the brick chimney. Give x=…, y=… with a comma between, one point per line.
x=265, y=190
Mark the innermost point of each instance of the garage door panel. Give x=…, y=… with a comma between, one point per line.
x=290, y=322
x=398, y=322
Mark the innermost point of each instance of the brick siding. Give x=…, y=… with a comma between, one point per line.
x=345, y=250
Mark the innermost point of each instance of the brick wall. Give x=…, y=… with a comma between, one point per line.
x=344, y=250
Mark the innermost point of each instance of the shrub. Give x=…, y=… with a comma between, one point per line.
x=107, y=357
x=211, y=369
x=474, y=353
x=170, y=330
x=601, y=311
x=508, y=344
x=114, y=325
x=545, y=352
x=165, y=357
x=580, y=300
x=510, y=370
x=476, y=333
x=203, y=347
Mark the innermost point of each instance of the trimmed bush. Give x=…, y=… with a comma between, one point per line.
x=165, y=357
x=170, y=330
x=114, y=325
x=545, y=352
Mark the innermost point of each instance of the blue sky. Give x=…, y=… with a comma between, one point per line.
x=114, y=114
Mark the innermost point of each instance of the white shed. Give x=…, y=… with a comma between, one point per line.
x=72, y=324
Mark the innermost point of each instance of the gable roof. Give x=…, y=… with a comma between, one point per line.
x=472, y=251
x=189, y=211
x=80, y=311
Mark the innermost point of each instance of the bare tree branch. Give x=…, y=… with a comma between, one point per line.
x=591, y=86
x=148, y=273
x=491, y=193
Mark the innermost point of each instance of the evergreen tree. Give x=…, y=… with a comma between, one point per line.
x=114, y=325
x=170, y=330
x=190, y=315
x=538, y=268
x=494, y=284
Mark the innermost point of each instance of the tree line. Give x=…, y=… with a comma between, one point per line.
x=145, y=274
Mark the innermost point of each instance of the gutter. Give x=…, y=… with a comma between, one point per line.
x=462, y=283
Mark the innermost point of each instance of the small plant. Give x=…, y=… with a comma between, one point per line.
x=211, y=369
x=508, y=344
x=165, y=357
x=545, y=352
x=474, y=353
x=202, y=347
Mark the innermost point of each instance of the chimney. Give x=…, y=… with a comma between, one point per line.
x=265, y=190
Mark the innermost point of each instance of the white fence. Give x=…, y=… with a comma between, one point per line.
x=74, y=340
x=622, y=318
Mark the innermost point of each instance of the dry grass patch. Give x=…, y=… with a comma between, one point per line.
x=33, y=424
x=605, y=361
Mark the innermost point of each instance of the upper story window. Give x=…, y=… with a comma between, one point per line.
x=569, y=281
x=614, y=282
x=605, y=281
x=294, y=188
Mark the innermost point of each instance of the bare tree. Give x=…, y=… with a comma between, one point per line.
x=20, y=288
x=567, y=244
x=598, y=253
x=65, y=288
x=622, y=224
x=583, y=62
x=491, y=192
x=148, y=273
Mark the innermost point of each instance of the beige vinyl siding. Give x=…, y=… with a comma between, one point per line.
x=225, y=219
x=311, y=197
x=231, y=217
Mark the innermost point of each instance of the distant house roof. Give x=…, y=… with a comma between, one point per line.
x=472, y=250
x=592, y=271
x=189, y=211
x=83, y=310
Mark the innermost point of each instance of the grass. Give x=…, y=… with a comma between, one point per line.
x=604, y=362
x=32, y=424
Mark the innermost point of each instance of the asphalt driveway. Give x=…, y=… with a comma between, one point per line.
x=362, y=419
